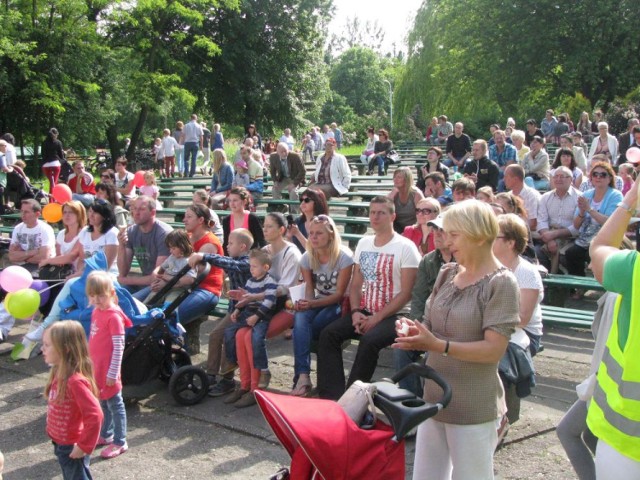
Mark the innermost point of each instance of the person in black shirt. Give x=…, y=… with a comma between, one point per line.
x=458, y=147
x=481, y=170
x=532, y=131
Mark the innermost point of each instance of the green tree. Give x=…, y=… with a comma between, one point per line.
x=357, y=34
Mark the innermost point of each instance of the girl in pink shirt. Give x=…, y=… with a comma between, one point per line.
x=106, y=346
x=73, y=412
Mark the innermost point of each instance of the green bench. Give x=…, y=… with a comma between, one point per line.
x=566, y=317
x=557, y=287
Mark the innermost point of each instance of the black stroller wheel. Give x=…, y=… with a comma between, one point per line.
x=179, y=358
x=189, y=385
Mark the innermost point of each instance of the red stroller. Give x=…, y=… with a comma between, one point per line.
x=324, y=443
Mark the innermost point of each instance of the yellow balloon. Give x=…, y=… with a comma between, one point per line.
x=52, y=212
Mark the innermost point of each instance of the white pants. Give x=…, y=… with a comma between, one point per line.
x=458, y=452
x=612, y=465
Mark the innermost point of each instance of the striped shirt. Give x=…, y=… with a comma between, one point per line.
x=265, y=308
x=237, y=268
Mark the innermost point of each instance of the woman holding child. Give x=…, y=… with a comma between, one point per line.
x=326, y=269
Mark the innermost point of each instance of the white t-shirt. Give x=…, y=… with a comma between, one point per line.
x=123, y=182
x=381, y=269
x=169, y=146
x=91, y=247
x=326, y=278
x=528, y=276
x=531, y=199
x=33, y=238
x=285, y=265
x=65, y=247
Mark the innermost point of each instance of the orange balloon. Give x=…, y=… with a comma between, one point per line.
x=52, y=212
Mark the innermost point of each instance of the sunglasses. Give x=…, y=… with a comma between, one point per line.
x=425, y=211
x=305, y=200
x=599, y=174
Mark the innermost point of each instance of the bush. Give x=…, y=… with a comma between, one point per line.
x=619, y=113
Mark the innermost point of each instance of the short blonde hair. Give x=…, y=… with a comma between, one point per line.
x=474, y=219
x=517, y=135
x=243, y=236
x=100, y=283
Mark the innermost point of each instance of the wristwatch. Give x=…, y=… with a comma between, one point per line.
x=625, y=207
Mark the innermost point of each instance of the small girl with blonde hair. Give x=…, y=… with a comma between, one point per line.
x=73, y=412
x=106, y=346
x=150, y=188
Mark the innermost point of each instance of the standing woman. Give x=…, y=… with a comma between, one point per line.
x=468, y=320
x=420, y=233
x=179, y=149
x=312, y=203
x=240, y=217
x=405, y=197
x=326, y=269
x=252, y=133
x=197, y=223
x=222, y=178
x=52, y=155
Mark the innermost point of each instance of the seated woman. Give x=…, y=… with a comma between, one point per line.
x=511, y=203
x=100, y=235
x=509, y=245
x=74, y=218
x=517, y=137
x=405, y=197
x=332, y=174
x=106, y=191
x=222, y=179
x=124, y=181
x=372, y=138
x=604, y=144
x=434, y=164
x=312, y=203
x=326, y=269
x=594, y=207
x=485, y=194
x=240, y=217
x=565, y=157
x=468, y=321
x=381, y=151
x=420, y=233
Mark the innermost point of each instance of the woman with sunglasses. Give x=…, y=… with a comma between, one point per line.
x=100, y=235
x=405, y=196
x=427, y=209
x=326, y=268
x=594, y=207
x=241, y=217
x=312, y=203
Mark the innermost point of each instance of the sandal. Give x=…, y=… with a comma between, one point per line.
x=302, y=389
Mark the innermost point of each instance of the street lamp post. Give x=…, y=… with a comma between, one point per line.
x=390, y=103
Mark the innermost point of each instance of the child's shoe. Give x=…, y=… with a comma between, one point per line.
x=113, y=450
x=265, y=378
x=104, y=441
x=235, y=396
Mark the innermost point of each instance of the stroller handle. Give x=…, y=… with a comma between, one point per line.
x=429, y=373
x=171, y=283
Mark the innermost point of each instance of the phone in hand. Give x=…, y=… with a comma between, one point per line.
x=290, y=221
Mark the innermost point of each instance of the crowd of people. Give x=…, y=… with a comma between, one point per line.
x=450, y=270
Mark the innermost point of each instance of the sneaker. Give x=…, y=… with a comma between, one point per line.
x=265, y=378
x=113, y=450
x=247, y=400
x=105, y=441
x=221, y=388
x=237, y=394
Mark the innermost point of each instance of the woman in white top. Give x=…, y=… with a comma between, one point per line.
x=100, y=234
x=509, y=245
x=124, y=181
x=604, y=144
x=74, y=218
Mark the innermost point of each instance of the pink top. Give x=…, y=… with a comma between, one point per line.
x=245, y=222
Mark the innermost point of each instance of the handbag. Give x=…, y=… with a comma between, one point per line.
x=357, y=401
x=393, y=157
x=55, y=272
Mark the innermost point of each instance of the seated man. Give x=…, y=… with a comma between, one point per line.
x=514, y=181
x=82, y=184
x=287, y=171
x=555, y=218
x=386, y=267
x=145, y=241
x=32, y=240
x=481, y=170
x=436, y=187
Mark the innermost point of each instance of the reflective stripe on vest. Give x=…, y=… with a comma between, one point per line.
x=614, y=412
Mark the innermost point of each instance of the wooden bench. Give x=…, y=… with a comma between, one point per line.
x=566, y=317
x=557, y=287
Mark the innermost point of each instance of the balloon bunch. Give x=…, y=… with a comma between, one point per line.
x=24, y=295
x=52, y=212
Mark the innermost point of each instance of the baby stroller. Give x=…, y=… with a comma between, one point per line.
x=19, y=188
x=324, y=442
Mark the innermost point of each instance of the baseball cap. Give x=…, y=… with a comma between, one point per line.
x=436, y=222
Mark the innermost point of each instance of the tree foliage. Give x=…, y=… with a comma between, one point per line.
x=473, y=58
x=357, y=34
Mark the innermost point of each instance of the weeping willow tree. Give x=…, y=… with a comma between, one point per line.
x=480, y=59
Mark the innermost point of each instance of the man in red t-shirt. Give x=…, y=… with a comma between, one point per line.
x=82, y=184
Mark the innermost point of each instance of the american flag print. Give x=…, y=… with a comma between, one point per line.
x=377, y=273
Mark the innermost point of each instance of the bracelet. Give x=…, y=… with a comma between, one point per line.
x=446, y=349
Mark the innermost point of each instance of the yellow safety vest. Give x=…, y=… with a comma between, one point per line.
x=614, y=412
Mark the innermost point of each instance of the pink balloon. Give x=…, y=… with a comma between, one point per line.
x=138, y=179
x=633, y=154
x=61, y=193
x=15, y=278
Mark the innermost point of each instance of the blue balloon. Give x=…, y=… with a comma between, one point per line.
x=41, y=287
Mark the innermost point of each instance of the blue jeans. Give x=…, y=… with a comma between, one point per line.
x=307, y=326
x=115, y=419
x=537, y=184
x=199, y=302
x=258, y=340
x=72, y=468
x=190, y=155
x=402, y=358
x=180, y=159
